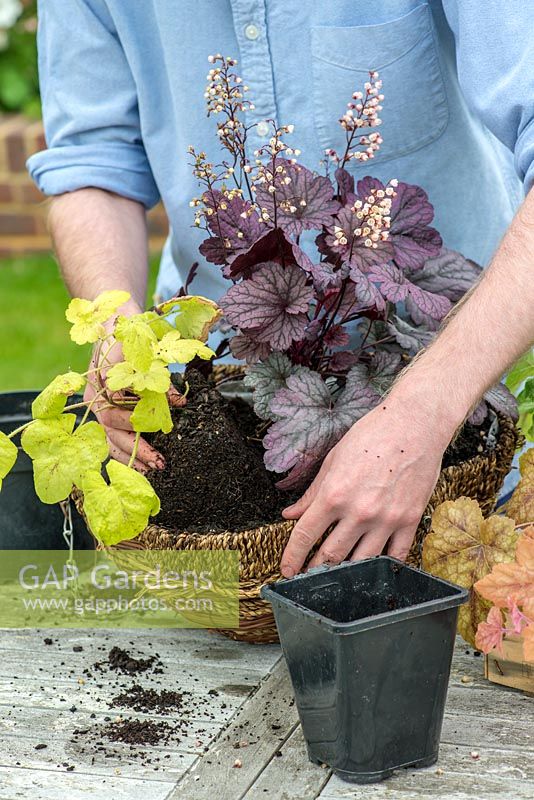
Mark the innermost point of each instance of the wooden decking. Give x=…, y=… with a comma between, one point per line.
x=241, y=740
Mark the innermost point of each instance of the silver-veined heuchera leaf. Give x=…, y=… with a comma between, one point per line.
x=396, y=287
x=121, y=509
x=125, y=376
x=383, y=369
x=245, y=348
x=272, y=305
x=367, y=294
x=152, y=413
x=52, y=400
x=61, y=455
x=8, y=456
x=306, y=202
x=311, y=421
x=410, y=338
x=266, y=378
x=500, y=398
x=448, y=274
x=87, y=316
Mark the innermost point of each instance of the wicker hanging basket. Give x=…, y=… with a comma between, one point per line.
x=260, y=549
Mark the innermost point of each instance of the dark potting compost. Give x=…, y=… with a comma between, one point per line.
x=149, y=700
x=215, y=478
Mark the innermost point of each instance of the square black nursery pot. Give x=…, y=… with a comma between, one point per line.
x=369, y=646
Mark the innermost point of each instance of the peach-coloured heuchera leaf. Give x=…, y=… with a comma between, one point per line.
x=511, y=582
x=490, y=634
x=462, y=547
x=510, y=587
x=521, y=505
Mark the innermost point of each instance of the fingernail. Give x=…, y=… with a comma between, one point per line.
x=288, y=572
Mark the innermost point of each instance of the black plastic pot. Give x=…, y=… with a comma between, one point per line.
x=369, y=646
x=25, y=522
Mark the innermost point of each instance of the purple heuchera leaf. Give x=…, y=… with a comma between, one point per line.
x=383, y=369
x=448, y=274
x=336, y=336
x=396, y=287
x=235, y=226
x=500, y=399
x=367, y=294
x=310, y=422
x=411, y=212
x=266, y=378
x=343, y=360
x=414, y=241
x=311, y=195
x=246, y=348
x=410, y=338
x=326, y=276
x=345, y=181
x=273, y=245
x=354, y=251
x=272, y=306
x=419, y=317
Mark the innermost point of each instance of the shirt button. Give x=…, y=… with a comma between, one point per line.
x=262, y=128
x=252, y=31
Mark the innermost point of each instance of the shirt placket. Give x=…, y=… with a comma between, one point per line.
x=256, y=69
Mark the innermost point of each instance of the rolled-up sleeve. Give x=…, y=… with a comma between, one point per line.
x=90, y=109
x=495, y=59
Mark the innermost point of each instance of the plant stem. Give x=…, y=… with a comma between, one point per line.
x=135, y=448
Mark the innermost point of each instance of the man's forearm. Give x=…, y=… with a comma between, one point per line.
x=484, y=336
x=101, y=243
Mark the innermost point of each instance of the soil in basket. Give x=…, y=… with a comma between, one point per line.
x=215, y=478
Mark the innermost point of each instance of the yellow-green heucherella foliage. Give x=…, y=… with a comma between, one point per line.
x=68, y=452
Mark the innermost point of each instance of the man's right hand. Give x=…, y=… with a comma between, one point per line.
x=116, y=421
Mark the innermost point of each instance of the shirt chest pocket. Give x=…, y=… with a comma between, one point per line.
x=415, y=110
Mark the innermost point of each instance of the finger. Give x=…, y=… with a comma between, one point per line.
x=401, y=542
x=337, y=546
x=176, y=399
x=145, y=453
x=297, y=509
x=310, y=527
x=371, y=543
x=115, y=418
x=119, y=455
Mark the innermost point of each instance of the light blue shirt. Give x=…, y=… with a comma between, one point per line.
x=123, y=80
x=122, y=85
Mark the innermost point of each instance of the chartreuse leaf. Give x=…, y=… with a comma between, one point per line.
x=522, y=369
x=195, y=317
x=173, y=348
x=8, y=456
x=157, y=323
x=61, y=455
x=121, y=509
x=137, y=339
x=125, y=376
x=87, y=316
x=152, y=413
x=51, y=401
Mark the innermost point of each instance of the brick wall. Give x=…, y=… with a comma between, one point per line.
x=23, y=208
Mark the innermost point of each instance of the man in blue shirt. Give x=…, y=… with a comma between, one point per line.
x=122, y=91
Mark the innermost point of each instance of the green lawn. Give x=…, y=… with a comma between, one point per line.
x=34, y=339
